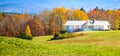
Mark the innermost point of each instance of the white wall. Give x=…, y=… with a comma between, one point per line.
x=106, y=27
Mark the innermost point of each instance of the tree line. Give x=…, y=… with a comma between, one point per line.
x=50, y=22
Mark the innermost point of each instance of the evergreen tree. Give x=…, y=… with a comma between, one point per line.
x=82, y=9
x=96, y=8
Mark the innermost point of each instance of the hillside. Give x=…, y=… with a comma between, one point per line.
x=95, y=43
x=59, y=28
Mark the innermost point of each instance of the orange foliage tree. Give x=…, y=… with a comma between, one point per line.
x=36, y=26
x=69, y=14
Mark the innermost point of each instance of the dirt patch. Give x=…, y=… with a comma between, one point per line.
x=79, y=34
x=75, y=41
x=83, y=34
x=91, y=41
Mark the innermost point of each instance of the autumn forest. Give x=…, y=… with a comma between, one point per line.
x=50, y=22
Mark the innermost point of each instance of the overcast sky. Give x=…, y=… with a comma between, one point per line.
x=35, y=6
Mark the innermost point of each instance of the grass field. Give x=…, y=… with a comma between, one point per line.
x=94, y=43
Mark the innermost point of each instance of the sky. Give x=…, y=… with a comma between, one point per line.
x=36, y=6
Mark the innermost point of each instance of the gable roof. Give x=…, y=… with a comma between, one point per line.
x=98, y=23
x=74, y=22
x=87, y=22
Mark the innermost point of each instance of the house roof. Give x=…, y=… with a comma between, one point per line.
x=98, y=22
x=87, y=22
x=74, y=22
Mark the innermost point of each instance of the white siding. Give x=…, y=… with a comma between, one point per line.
x=106, y=27
x=97, y=25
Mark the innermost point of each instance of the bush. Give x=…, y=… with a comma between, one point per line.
x=56, y=35
x=63, y=31
x=24, y=36
x=64, y=34
x=61, y=35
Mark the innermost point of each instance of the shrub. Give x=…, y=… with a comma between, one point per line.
x=64, y=34
x=61, y=35
x=63, y=31
x=24, y=36
x=56, y=36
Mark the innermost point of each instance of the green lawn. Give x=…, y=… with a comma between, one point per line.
x=94, y=43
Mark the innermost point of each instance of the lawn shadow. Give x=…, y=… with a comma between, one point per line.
x=55, y=39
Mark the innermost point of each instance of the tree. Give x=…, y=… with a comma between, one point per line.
x=52, y=29
x=27, y=35
x=62, y=12
x=96, y=8
x=113, y=18
x=36, y=25
x=82, y=9
x=116, y=24
x=1, y=23
x=45, y=17
x=58, y=14
x=83, y=16
x=76, y=14
x=28, y=31
x=98, y=14
x=69, y=14
x=80, y=15
x=110, y=18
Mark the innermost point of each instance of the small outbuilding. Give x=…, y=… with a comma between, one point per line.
x=72, y=26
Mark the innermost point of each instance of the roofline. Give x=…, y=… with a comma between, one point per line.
x=86, y=20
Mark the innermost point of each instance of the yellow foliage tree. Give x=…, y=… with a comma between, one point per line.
x=76, y=14
x=116, y=24
x=83, y=15
x=80, y=15
x=28, y=31
x=58, y=14
x=108, y=11
x=117, y=20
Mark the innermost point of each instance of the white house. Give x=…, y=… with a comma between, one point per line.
x=86, y=25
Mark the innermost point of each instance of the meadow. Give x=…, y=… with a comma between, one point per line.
x=94, y=43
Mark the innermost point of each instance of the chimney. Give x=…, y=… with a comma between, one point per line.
x=93, y=21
